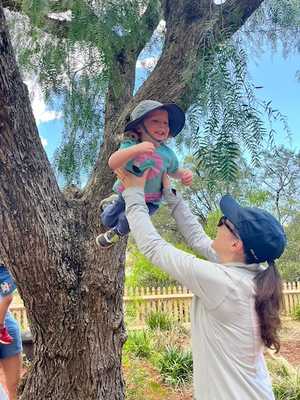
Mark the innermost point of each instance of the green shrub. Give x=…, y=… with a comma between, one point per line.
x=285, y=380
x=139, y=343
x=176, y=366
x=142, y=273
x=159, y=320
x=296, y=312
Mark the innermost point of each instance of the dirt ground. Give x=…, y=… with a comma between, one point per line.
x=290, y=349
x=290, y=341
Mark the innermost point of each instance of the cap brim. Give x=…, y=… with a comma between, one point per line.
x=176, y=118
x=230, y=209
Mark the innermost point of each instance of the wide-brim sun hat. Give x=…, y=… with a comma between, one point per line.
x=176, y=115
x=262, y=235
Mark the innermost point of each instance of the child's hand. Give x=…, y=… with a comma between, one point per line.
x=186, y=177
x=144, y=147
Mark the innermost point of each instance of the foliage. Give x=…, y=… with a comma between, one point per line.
x=296, y=313
x=276, y=24
x=166, y=225
x=279, y=174
x=227, y=118
x=142, y=381
x=285, y=380
x=77, y=60
x=159, y=320
x=139, y=344
x=141, y=272
x=204, y=197
x=212, y=222
x=288, y=263
x=176, y=366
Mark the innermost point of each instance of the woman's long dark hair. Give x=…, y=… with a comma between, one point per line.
x=268, y=302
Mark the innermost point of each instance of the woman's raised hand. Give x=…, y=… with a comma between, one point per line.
x=131, y=180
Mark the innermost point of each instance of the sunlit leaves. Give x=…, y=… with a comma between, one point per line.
x=228, y=117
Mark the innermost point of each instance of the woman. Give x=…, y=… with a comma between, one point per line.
x=236, y=304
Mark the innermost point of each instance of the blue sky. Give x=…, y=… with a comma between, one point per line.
x=276, y=74
x=280, y=85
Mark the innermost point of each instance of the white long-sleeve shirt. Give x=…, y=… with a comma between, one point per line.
x=227, y=348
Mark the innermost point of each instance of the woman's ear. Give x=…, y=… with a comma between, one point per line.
x=238, y=245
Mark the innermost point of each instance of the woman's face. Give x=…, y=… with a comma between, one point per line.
x=227, y=245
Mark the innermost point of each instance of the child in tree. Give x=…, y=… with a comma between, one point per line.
x=7, y=286
x=151, y=124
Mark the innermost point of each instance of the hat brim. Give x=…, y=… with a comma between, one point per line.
x=230, y=209
x=176, y=118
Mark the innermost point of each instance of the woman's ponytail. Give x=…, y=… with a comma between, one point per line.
x=268, y=301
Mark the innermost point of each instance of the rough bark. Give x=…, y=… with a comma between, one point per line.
x=73, y=291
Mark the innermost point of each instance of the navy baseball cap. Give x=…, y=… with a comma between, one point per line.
x=262, y=235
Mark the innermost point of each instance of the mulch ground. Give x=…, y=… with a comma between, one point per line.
x=290, y=350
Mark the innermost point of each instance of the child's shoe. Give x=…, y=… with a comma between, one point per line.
x=107, y=239
x=5, y=337
x=107, y=201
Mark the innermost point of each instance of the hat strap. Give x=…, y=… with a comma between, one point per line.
x=150, y=135
x=253, y=254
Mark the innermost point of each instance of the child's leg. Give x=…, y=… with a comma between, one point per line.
x=152, y=208
x=110, y=218
x=4, y=304
x=110, y=215
x=7, y=287
x=122, y=227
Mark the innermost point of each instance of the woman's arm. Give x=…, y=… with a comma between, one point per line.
x=207, y=280
x=189, y=226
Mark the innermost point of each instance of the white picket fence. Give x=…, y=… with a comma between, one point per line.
x=175, y=301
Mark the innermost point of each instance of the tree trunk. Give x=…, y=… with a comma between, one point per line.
x=72, y=290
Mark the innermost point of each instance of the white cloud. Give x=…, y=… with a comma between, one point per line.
x=147, y=63
x=61, y=16
x=161, y=26
x=39, y=107
x=44, y=141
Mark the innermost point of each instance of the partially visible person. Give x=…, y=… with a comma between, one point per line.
x=237, y=292
x=7, y=287
x=144, y=146
x=11, y=357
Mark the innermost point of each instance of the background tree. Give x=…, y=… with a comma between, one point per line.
x=72, y=291
x=280, y=174
x=205, y=193
x=289, y=262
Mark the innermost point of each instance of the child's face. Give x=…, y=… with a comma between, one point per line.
x=157, y=124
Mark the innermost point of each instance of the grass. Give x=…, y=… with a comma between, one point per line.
x=159, y=320
x=285, y=379
x=139, y=344
x=296, y=313
x=143, y=382
x=176, y=366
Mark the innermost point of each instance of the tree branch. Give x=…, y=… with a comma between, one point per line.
x=193, y=29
